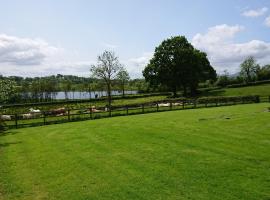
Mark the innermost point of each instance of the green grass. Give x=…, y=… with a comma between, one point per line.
x=213, y=153
x=262, y=90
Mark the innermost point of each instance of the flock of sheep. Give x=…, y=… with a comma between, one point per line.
x=36, y=113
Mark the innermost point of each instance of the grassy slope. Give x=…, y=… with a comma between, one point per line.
x=262, y=90
x=191, y=154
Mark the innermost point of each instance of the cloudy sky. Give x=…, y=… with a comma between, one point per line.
x=39, y=38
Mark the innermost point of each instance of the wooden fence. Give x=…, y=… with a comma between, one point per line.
x=45, y=118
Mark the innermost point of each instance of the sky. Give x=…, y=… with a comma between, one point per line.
x=49, y=37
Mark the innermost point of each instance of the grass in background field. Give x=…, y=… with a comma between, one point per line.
x=213, y=153
x=262, y=90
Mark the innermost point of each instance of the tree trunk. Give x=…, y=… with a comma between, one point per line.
x=185, y=90
x=123, y=90
x=174, y=90
x=109, y=95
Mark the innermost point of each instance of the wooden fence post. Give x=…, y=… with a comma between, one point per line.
x=183, y=105
x=157, y=107
x=194, y=103
x=44, y=118
x=68, y=114
x=142, y=108
x=91, y=113
x=126, y=110
x=16, y=120
x=170, y=105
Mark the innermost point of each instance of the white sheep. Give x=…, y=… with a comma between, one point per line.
x=5, y=117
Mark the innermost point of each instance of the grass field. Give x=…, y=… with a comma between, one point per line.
x=262, y=90
x=212, y=153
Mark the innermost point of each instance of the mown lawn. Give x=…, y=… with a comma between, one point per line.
x=212, y=153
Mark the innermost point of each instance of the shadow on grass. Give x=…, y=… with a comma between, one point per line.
x=7, y=132
x=7, y=144
x=219, y=92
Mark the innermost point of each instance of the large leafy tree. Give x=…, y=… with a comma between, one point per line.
x=107, y=68
x=249, y=69
x=178, y=65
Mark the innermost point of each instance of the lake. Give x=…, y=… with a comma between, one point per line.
x=87, y=95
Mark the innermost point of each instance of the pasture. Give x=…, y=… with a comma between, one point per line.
x=212, y=153
x=261, y=90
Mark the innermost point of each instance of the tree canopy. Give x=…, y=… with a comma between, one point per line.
x=178, y=65
x=7, y=90
x=249, y=69
x=123, y=77
x=107, y=68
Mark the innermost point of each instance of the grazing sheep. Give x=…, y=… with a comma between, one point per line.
x=28, y=116
x=5, y=117
x=57, y=112
x=164, y=104
x=93, y=109
x=177, y=104
x=35, y=113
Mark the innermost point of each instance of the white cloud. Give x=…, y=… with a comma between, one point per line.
x=136, y=65
x=81, y=68
x=267, y=21
x=24, y=51
x=224, y=52
x=255, y=13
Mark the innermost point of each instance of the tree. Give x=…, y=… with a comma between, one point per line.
x=249, y=69
x=7, y=94
x=123, y=78
x=67, y=85
x=223, y=79
x=177, y=64
x=264, y=73
x=7, y=90
x=107, y=68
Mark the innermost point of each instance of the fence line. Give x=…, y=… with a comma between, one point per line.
x=45, y=118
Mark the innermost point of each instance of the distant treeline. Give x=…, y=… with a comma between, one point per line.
x=39, y=89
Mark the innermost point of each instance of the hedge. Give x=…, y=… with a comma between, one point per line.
x=248, y=84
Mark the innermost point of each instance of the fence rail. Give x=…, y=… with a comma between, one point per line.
x=20, y=120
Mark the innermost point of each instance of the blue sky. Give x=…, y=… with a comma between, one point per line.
x=39, y=38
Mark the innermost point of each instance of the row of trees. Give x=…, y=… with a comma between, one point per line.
x=176, y=65
x=46, y=88
x=249, y=71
